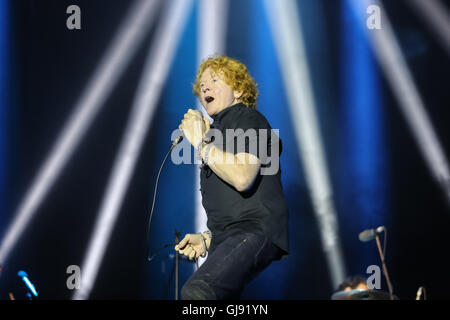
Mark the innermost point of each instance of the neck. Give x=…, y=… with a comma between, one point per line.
x=235, y=102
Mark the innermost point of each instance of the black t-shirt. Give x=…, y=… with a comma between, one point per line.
x=260, y=209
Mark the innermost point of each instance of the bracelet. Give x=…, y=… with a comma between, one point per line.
x=205, y=161
x=204, y=246
x=208, y=233
x=200, y=146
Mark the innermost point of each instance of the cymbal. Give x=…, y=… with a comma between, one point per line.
x=361, y=294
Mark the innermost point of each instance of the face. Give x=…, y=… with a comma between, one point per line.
x=215, y=93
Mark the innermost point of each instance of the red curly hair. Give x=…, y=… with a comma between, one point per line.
x=235, y=75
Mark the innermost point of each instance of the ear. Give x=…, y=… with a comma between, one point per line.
x=238, y=94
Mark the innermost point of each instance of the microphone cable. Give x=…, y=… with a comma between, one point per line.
x=178, y=140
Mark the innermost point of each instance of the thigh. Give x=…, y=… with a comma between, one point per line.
x=266, y=253
x=231, y=265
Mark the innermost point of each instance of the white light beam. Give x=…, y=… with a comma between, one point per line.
x=211, y=33
x=400, y=79
x=437, y=17
x=113, y=63
x=288, y=36
x=161, y=53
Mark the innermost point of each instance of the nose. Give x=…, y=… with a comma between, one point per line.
x=205, y=88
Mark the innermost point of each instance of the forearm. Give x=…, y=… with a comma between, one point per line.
x=238, y=170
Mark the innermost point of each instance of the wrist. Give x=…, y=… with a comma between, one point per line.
x=207, y=236
x=202, y=141
x=204, y=149
x=205, y=245
x=199, y=147
x=205, y=153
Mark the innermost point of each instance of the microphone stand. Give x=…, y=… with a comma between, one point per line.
x=177, y=240
x=383, y=262
x=176, y=260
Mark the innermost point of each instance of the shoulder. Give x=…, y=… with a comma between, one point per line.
x=250, y=118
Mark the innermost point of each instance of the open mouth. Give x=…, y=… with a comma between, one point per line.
x=209, y=99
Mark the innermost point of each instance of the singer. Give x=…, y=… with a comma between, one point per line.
x=246, y=209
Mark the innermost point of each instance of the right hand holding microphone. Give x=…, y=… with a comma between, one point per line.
x=194, y=126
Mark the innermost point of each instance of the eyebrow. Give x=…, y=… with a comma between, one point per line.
x=213, y=76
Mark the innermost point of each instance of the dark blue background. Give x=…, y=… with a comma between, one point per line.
x=376, y=170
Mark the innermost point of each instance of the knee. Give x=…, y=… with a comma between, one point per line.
x=197, y=290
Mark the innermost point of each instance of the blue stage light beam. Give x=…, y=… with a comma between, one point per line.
x=24, y=276
x=161, y=52
x=287, y=34
x=113, y=63
x=363, y=169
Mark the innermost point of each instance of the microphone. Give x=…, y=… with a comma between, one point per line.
x=178, y=140
x=370, y=234
x=22, y=274
x=181, y=136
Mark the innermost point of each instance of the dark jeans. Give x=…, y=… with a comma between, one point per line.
x=232, y=264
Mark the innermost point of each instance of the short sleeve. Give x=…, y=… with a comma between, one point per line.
x=252, y=135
